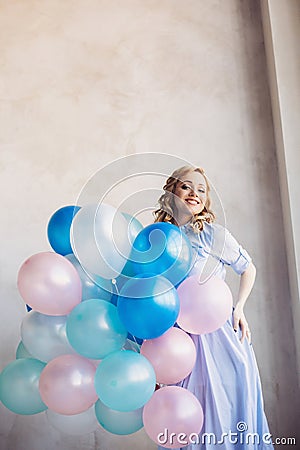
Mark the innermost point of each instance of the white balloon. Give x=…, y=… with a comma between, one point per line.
x=99, y=240
x=77, y=424
x=44, y=337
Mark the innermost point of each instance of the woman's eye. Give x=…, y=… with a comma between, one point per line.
x=187, y=186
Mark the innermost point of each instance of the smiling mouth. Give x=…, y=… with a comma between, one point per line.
x=192, y=202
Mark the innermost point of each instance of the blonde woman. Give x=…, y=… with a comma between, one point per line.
x=225, y=377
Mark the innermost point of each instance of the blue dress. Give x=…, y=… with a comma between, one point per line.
x=225, y=377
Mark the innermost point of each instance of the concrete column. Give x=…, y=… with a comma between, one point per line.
x=281, y=25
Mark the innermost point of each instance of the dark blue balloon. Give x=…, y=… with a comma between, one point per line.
x=148, y=306
x=58, y=229
x=162, y=249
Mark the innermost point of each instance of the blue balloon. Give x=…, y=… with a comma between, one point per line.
x=162, y=249
x=148, y=306
x=19, y=386
x=93, y=286
x=94, y=329
x=125, y=380
x=58, y=229
x=119, y=422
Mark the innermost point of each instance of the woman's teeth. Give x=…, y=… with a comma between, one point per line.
x=192, y=202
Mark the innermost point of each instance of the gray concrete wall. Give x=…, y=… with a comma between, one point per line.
x=85, y=82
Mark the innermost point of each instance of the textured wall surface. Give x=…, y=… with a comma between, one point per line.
x=84, y=82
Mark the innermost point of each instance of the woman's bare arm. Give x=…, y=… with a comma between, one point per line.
x=246, y=284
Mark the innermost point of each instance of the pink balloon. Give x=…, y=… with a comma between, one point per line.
x=204, y=307
x=50, y=284
x=67, y=384
x=173, y=415
x=173, y=355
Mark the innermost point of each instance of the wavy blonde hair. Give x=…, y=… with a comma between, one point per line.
x=165, y=213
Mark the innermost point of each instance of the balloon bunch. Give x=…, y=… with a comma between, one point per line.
x=107, y=336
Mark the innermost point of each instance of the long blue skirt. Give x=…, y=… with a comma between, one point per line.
x=226, y=381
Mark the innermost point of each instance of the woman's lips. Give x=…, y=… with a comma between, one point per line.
x=192, y=201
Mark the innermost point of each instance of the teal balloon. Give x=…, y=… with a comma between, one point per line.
x=125, y=380
x=93, y=286
x=129, y=271
x=119, y=422
x=19, y=386
x=134, y=226
x=22, y=351
x=94, y=329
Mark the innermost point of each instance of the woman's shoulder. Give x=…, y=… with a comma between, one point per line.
x=213, y=229
x=212, y=232
x=206, y=237
x=209, y=229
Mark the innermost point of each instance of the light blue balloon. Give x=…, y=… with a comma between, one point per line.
x=22, y=351
x=93, y=286
x=19, y=386
x=94, y=329
x=45, y=336
x=119, y=422
x=125, y=380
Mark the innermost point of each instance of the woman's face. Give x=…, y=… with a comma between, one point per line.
x=190, y=196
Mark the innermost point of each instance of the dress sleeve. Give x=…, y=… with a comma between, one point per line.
x=230, y=251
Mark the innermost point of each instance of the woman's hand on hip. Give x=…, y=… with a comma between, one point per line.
x=239, y=320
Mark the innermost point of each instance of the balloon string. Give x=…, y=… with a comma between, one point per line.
x=114, y=283
x=136, y=343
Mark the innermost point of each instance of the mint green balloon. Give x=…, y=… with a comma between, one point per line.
x=19, y=386
x=125, y=380
x=94, y=329
x=119, y=422
x=22, y=351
